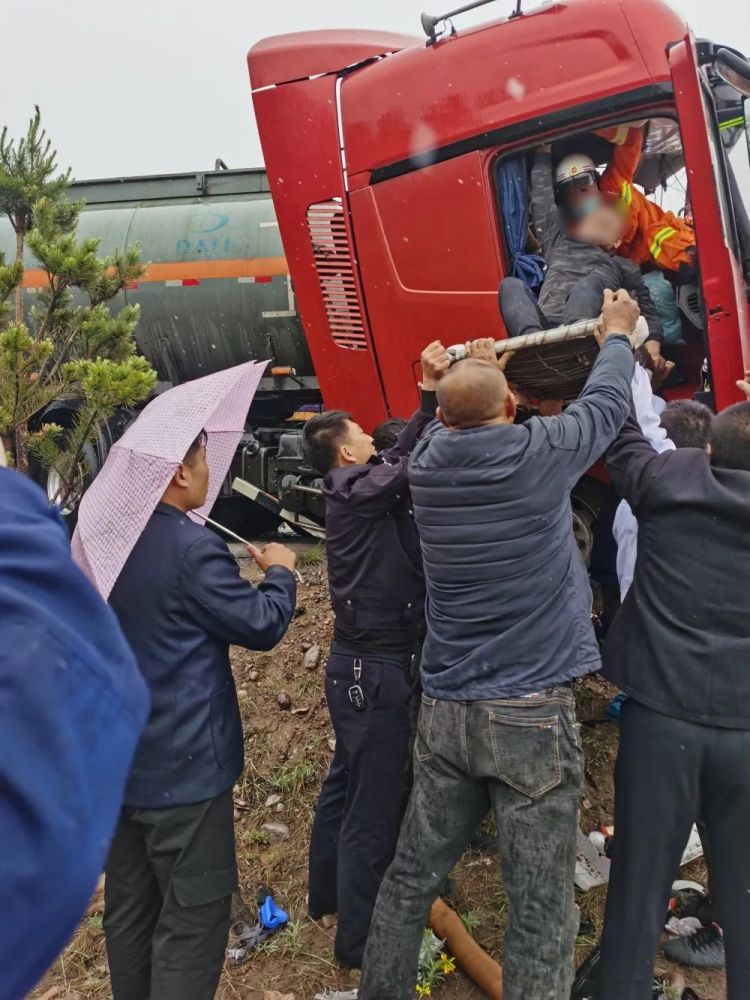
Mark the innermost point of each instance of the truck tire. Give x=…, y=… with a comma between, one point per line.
x=49, y=480
x=586, y=500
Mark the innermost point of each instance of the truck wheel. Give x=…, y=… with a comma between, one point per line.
x=583, y=530
x=586, y=501
x=50, y=481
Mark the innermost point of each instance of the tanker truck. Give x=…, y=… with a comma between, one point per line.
x=217, y=292
x=385, y=218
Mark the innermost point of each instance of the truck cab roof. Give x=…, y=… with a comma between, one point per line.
x=303, y=54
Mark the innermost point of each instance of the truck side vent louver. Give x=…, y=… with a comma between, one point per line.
x=333, y=262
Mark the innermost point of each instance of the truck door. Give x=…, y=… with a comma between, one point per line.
x=430, y=260
x=721, y=274
x=296, y=82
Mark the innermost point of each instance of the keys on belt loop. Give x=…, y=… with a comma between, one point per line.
x=355, y=692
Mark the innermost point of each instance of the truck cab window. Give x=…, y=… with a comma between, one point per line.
x=613, y=194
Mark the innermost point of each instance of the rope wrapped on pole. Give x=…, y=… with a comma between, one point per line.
x=557, y=335
x=553, y=364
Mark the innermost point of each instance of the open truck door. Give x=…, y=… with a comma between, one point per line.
x=296, y=81
x=723, y=284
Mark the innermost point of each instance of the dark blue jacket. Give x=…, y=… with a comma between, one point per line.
x=72, y=706
x=508, y=597
x=684, y=650
x=181, y=602
x=374, y=560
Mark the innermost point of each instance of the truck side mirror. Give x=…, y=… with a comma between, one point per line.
x=733, y=69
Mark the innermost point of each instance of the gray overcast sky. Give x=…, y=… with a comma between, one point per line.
x=152, y=86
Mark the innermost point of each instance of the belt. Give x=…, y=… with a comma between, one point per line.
x=347, y=613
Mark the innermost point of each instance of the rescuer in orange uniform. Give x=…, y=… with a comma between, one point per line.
x=651, y=234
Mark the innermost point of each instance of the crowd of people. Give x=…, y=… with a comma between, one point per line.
x=462, y=612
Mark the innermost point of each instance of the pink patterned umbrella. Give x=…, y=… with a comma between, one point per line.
x=116, y=507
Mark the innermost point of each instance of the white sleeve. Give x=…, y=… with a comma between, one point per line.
x=625, y=532
x=648, y=407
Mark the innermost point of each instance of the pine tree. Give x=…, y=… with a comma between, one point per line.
x=26, y=175
x=72, y=346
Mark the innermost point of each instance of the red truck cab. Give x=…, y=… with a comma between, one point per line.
x=382, y=154
x=381, y=150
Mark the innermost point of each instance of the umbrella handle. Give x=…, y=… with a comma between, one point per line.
x=238, y=538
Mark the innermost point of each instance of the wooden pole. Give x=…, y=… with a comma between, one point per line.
x=473, y=960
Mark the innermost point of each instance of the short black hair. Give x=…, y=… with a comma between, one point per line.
x=195, y=447
x=322, y=438
x=385, y=434
x=687, y=423
x=730, y=438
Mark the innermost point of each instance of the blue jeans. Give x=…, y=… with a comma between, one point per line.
x=522, y=757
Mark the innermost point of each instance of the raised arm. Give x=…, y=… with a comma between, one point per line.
x=618, y=177
x=647, y=411
x=231, y=608
x=544, y=214
x=586, y=429
x=410, y=434
x=374, y=489
x=633, y=464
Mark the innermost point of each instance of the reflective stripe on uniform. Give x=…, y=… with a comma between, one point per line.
x=733, y=122
x=620, y=135
x=626, y=195
x=663, y=234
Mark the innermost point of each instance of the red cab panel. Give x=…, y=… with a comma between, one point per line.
x=429, y=255
x=555, y=57
x=299, y=133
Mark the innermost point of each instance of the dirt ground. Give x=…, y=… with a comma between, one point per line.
x=287, y=754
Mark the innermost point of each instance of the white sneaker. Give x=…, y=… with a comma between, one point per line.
x=337, y=995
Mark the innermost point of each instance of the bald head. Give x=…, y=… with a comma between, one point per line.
x=474, y=393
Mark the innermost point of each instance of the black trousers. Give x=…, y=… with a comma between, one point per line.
x=669, y=774
x=521, y=313
x=169, y=882
x=362, y=800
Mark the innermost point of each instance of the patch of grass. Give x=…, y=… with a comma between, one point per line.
x=309, y=686
x=312, y=556
x=472, y=920
x=289, y=940
x=257, y=837
x=293, y=779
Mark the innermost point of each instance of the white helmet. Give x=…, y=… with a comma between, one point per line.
x=574, y=166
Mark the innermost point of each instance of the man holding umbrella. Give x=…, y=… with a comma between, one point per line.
x=181, y=602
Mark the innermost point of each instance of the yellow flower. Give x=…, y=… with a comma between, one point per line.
x=424, y=991
x=447, y=965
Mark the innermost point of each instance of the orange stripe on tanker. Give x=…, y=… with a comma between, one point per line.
x=262, y=268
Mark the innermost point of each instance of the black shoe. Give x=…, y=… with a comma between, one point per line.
x=586, y=982
x=703, y=950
